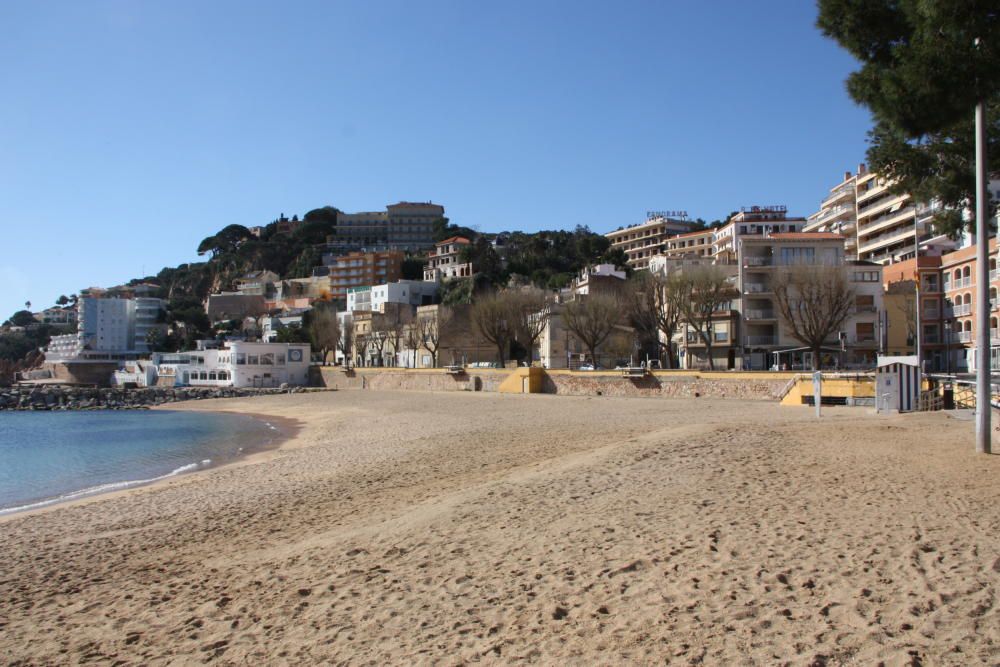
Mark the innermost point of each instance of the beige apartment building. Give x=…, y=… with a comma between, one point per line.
x=838, y=213
x=767, y=342
x=648, y=239
x=888, y=225
x=699, y=243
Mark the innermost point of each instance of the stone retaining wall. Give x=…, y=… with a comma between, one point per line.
x=78, y=398
x=763, y=386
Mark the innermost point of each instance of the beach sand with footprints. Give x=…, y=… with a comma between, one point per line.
x=432, y=528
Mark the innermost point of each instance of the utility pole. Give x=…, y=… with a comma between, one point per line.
x=983, y=370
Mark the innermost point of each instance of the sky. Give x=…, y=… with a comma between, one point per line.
x=132, y=130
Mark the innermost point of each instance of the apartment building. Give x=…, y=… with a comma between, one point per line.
x=445, y=263
x=751, y=221
x=958, y=283
x=359, y=269
x=406, y=226
x=888, y=225
x=648, y=239
x=913, y=292
x=108, y=329
x=838, y=213
x=406, y=292
x=767, y=341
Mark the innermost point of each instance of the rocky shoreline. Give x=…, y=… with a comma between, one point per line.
x=89, y=398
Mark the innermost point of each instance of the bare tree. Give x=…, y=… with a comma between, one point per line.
x=814, y=301
x=530, y=310
x=394, y=321
x=323, y=330
x=345, y=343
x=361, y=343
x=379, y=336
x=653, y=303
x=592, y=319
x=413, y=340
x=491, y=314
x=701, y=292
x=433, y=327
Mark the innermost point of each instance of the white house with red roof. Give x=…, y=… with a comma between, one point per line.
x=446, y=261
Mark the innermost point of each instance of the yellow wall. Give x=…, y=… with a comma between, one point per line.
x=521, y=379
x=837, y=388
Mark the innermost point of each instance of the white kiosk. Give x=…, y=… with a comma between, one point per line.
x=897, y=384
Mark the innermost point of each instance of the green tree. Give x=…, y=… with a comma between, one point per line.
x=21, y=318
x=227, y=240
x=924, y=67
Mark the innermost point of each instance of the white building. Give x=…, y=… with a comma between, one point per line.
x=270, y=326
x=108, y=330
x=446, y=262
x=411, y=292
x=237, y=364
x=756, y=221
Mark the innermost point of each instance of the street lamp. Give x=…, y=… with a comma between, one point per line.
x=947, y=346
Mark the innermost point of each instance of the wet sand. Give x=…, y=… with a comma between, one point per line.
x=429, y=528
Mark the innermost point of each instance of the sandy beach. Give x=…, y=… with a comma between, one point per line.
x=447, y=528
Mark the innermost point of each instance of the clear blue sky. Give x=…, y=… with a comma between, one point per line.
x=132, y=130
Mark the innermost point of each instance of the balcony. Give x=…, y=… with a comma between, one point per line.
x=762, y=340
x=839, y=193
x=758, y=261
x=994, y=274
x=963, y=336
x=958, y=311
x=761, y=314
x=756, y=288
x=864, y=309
x=930, y=314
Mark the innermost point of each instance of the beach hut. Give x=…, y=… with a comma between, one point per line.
x=897, y=384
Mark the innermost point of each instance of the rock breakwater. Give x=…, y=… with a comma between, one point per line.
x=88, y=398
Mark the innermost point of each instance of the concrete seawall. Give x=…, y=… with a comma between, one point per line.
x=719, y=384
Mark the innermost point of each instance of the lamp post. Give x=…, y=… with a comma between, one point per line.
x=947, y=347
x=983, y=371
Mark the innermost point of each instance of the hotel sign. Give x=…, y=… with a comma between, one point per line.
x=653, y=215
x=764, y=209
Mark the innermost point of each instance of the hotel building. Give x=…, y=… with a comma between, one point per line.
x=406, y=226
x=648, y=239
x=699, y=243
x=751, y=221
x=108, y=330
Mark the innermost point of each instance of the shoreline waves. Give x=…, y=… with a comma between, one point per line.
x=412, y=527
x=255, y=434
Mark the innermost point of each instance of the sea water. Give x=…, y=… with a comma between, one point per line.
x=50, y=457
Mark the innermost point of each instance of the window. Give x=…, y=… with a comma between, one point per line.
x=797, y=255
x=253, y=360
x=279, y=358
x=267, y=359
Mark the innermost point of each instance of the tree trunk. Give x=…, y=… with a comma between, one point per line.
x=708, y=352
x=815, y=352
